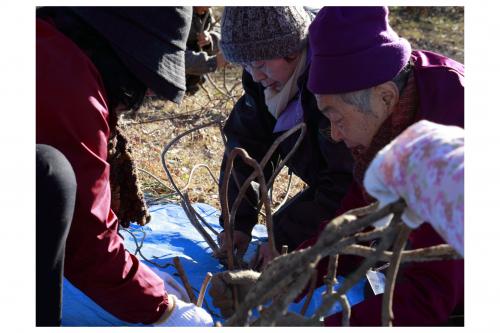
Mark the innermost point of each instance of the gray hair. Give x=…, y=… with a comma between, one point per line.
x=361, y=98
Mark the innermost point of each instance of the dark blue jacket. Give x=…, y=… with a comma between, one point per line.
x=325, y=166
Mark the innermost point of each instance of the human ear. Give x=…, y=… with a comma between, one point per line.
x=389, y=94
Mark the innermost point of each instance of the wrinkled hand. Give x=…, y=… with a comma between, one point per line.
x=172, y=287
x=204, y=39
x=221, y=288
x=240, y=243
x=265, y=255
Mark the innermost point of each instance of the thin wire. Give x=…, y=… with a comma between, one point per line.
x=138, y=249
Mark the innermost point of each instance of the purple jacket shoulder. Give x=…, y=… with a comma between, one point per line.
x=440, y=85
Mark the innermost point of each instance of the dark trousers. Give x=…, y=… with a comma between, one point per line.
x=55, y=202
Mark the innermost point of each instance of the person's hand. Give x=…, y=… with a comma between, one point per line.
x=171, y=286
x=221, y=61
x=265, y=255
x=204, y=39
x=221, y=288
x=240, y=243
x=184, y=314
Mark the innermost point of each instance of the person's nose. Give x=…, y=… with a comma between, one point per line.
x=257, y=75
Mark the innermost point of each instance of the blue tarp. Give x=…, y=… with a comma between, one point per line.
x=169, y=235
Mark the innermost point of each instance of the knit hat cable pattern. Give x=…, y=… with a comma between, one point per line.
x=261, y=33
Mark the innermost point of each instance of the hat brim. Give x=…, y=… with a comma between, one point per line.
x=155, y=61
x=168, y=81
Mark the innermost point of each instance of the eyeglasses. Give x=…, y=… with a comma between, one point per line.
x=262, y=65
x=250, y=66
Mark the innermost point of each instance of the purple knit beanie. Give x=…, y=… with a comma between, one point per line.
x=354, y=48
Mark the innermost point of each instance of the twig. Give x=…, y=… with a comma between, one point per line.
x=179, y=115
x=174, y=141
x=202, y=219
x=385, y=242
x=196, y=167
x=221, y=131
x=346, y=310
x=243, y=188
x=207, y=306
x=184, y=190
x=217, y=88
x=262, y=187
x=227, y=225
x=184, y=279
x=203, y=289
x=363, y=211
x=399, y=244
x=186, y=205
x=191, y=214
x=284, y=271
x=228, y=217
x=431, y=253
x=224, y=81
x=264, y=197
x=279, y=281
x=371, y=235
x=293, y=283
x=206, y=91
x=310, y=292
x=303, y=129
x=160, y=199
x=331, y=276
x=283, y=268
x=157, y=179
x=287, y=192
x=236, y=84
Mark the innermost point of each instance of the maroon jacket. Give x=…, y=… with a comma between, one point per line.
x=425, y=293
x=72, y=116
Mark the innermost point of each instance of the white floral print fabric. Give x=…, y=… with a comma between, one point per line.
x=424, y=166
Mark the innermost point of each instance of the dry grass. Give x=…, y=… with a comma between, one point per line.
x=439, y=29
x=157, y=123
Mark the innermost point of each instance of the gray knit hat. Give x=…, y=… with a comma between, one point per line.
x=260, y=33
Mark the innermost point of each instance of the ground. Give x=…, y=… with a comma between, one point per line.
x=439, y=29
